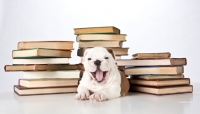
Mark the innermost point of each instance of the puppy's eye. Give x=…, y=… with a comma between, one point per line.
x=106, y=57
x=89, y=58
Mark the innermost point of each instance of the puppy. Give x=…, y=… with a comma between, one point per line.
x=101, y=79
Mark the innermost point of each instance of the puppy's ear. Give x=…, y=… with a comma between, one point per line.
x=111, y=52
x=85, y=53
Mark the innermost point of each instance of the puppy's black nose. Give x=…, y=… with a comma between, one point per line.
x=97, y=62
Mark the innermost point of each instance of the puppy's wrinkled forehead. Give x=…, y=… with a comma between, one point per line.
x=97, y=52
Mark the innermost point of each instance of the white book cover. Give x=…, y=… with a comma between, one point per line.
x=51, y=74
x=42, y=61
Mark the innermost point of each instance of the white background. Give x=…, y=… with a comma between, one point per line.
x=151, y=26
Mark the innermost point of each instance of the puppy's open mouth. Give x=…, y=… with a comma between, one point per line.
x=99, y=75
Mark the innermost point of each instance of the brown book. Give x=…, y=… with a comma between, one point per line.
x=101, y=30
x=163, y=90
x=154, y=70
x=39, y=83
x=160, y=83
x=59, y=45
x=117, y=50
x=100, y=43
x=40, y=53
x=152, y=62
x=41, y=91
x=158, y=77
x=99, y=37
x=161, y=55
x=38, y=67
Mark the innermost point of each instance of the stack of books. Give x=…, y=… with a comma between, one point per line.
x=46, y=67
x=156, y=73
x=108, y=37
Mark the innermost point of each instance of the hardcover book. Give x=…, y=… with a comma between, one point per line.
x=99, y=37
x=163, y=90
x=161, y=55
x=59, y=45
x=158, y=77
x=51, y=74
x=38, y=83
x=41, y=61
x=152, y=62
x=160, y=83
x=41, y=67
x=42, y=91
x=40, y=53
x=154, y=70
x=100, y=43
x=96, y=30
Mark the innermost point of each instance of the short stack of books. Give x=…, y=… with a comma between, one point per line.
x=156, y=73
x=46, y=67
x=108, y=37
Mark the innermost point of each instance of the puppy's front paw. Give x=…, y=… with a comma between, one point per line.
x=97, y=97
x=82, y=96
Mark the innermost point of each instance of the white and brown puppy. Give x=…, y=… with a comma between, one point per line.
x=101, y=79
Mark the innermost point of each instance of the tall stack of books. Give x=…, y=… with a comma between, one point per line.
x=46, y=67
x=108, y=37
x=156, y=73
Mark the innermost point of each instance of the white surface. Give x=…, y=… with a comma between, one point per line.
x=134, y=103
x=150, y=25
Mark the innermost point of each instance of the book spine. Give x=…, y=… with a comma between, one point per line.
x=37, y=52
x=178, y=61
x=19, y=45
x=77, y=40
x=5, y=68
x=19, y=81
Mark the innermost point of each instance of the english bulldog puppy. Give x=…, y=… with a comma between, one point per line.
x=101, y=79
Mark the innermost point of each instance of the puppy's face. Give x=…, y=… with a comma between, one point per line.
x=98, y=62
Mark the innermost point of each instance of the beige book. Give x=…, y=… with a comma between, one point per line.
x=118, y=58
x=40, y=67
x=160, y=83
x=35, y=83
x=152, y=62
x=42, y=91
x=59, y=45
x=161, y=55
x=92, y=30
x=40, y=53
x=158, y=77
x=154, y=70
x=99, y=37
x=163, y=90
x=100, y=43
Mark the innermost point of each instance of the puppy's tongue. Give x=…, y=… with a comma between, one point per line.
x=99, y=75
